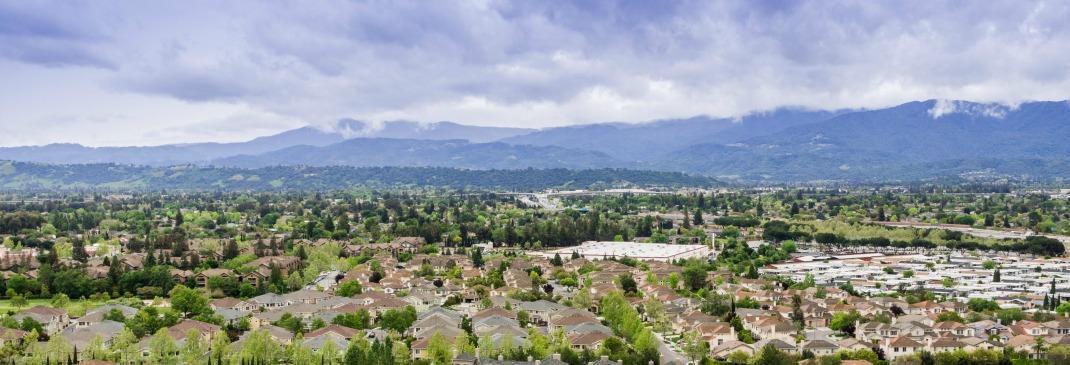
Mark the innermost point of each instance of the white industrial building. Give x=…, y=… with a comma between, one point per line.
x=597, y=250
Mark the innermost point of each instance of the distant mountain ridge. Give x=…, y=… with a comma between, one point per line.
x=368, y=152
x=48, y=177
x=647, y=141
x=912, y=141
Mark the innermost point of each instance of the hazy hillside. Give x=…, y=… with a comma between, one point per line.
x=647, y=141
x=64, y=153
x=410, y=152
x=910, y=141
x=916, y=140
x=434, y=131
x=22, y=175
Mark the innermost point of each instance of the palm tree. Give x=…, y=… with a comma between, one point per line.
x=1039, y=345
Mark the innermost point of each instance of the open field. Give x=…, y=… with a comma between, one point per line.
x=75, y=308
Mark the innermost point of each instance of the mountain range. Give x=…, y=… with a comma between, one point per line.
x=913, y=141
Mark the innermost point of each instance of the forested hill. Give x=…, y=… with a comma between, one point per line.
x=31, y=176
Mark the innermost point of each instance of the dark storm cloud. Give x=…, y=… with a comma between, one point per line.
x=52, y=37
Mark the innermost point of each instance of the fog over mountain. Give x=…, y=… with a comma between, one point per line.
x=916, y=140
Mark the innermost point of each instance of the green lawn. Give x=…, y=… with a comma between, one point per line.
x=75, y=308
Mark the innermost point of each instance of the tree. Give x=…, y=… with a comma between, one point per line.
x=1040, y=344
x=797, y=315
x=124, y=347
x=477, y=257
x=769, y=355
x=220, y=345
x=716, y=305
x=29, y=324
x=694, y=346
x=583, y=299
x=845, y=322
x=654, y=310
x=556, y=261
x=398, y=319
x=738, y=358
x=348, y=289
x=299, y=353
x=1059, y=354
x=260, y=347
x=523, y=317
x=19, y=301
x=230, y=251
x=950, y=316
x=360, y=319
x=188, y=302
x=162, y=348
x=695, y=277
x=996, y=276
x=439, y=349
x=907, y=274
x=789, y=247
x=627, y=282
x=989, y=264
x=194, y=348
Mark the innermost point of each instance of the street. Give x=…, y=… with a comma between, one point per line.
x=667, y=353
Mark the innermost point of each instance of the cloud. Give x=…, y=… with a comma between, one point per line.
x=944, y=107
x=548, y=63
x=50, y=36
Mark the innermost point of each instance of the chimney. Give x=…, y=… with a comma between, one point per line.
x=557, y=356
x=501, y=357
x=538, y=362
x=604, y=358
x=530, y=359
x=620, y=362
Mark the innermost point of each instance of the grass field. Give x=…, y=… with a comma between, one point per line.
x=75, y=308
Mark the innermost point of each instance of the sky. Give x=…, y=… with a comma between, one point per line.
x=159, y=72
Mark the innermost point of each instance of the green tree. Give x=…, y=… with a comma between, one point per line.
x=162, y=348
x=694, y=347
x=260, y=347
x=60, y=301
x=583, y=299
x=523, y=317
x=1059, y=354
x=440, y=350
x=398, y=319
x=19, y=301
x=627, y=282
x=695, y=277
x=194, y=348
x=738, y=358
x=188, y=302
x=769, y=355
x=845, y=322
x=348, y=289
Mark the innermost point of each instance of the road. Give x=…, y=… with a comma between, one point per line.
x=325, y=280
x=540, y=200
x=983, y=233
x=667, y=353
